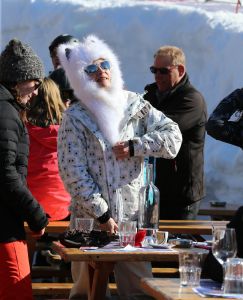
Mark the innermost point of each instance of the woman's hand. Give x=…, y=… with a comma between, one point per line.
x=37, y=234
x=109, y=226
x=121, y=150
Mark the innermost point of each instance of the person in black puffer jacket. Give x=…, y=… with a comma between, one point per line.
x=21, y=72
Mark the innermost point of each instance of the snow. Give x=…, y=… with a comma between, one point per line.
x=210, y=33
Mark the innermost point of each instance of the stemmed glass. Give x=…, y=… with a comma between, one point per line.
x=224, y=245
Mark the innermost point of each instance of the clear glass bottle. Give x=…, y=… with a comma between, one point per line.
x=149, y=198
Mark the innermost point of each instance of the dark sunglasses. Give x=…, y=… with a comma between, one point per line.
x=163, y=71
x=91, y=69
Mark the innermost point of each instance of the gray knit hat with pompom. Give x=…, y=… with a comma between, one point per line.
x=18, y=62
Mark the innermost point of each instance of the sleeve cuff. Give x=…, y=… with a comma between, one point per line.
x=131, y=148
x=105, y=217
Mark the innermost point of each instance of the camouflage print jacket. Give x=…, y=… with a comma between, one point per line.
x=220, y=126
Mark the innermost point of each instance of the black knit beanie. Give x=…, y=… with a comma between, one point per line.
x=18, y=62
x=61, y=39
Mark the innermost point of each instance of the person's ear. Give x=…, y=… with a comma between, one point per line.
x=181, y=70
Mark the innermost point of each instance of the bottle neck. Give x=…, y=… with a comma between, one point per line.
x=149, y=174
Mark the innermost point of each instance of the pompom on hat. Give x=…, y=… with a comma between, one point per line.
x=18, y=63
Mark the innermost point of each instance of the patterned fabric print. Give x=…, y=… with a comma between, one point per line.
x=219, y=126
x=88, y=167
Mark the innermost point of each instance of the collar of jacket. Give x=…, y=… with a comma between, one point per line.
x=5, y=95
x=152, y=88
x=137, y=108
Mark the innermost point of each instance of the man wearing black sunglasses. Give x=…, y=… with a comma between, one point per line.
x=181, y=180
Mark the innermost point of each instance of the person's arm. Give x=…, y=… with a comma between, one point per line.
x=73, y=169
x=161, y=139
x=13, y=188
x=219, y=126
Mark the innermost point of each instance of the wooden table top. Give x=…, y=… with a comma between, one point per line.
x=75, y=254
x=169, y=289
x=190, y=226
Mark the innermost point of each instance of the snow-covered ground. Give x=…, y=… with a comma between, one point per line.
x=211, y=34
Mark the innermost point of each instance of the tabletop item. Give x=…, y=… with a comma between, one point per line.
x=189, y=268
x=233, y=281
x=161, y=237
x=210, y=288
x=224, y=245
x=84, y=224
x=139, y=237
x=127, y=231
x=149, y=198
x=77, y=239
x=181, y=243
x=218, y=203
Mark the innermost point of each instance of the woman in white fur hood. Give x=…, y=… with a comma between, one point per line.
x=102, y=142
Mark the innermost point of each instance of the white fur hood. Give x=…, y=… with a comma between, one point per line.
x=107, y=104
x=76, y=57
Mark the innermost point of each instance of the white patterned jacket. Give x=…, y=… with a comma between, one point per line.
x=88, y=166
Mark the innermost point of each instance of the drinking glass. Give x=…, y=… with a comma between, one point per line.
x=84, y=224
x=190, y=268
x=233, y=281
x=127, y=232
x=224, y=245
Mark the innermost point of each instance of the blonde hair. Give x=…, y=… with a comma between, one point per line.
x=176, y=54
x=47, y=107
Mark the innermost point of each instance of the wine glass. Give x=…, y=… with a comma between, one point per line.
x=224, y=245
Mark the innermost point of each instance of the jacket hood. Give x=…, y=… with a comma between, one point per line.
x=46, y=137
x=107, y=104
x=77, y=56
x=5, y=94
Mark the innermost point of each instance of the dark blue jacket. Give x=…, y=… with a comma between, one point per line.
x=219, y=125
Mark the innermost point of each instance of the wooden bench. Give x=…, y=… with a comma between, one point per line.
x=63, y=289
x=59, y=289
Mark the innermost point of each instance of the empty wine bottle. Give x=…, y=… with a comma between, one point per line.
x=149, y=197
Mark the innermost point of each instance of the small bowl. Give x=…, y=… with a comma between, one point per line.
x=218, y=203
x=181, y=243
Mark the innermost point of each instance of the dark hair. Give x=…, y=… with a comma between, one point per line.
x=61, y=39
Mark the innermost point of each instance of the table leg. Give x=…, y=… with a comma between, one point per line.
x=98, y=278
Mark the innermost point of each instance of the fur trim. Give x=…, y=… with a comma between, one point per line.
x=74, y=59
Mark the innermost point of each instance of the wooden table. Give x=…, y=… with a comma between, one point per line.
x=194, y=227
x=101, y=264
x=56, y=227
x=220, y=213
x=169, y=289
